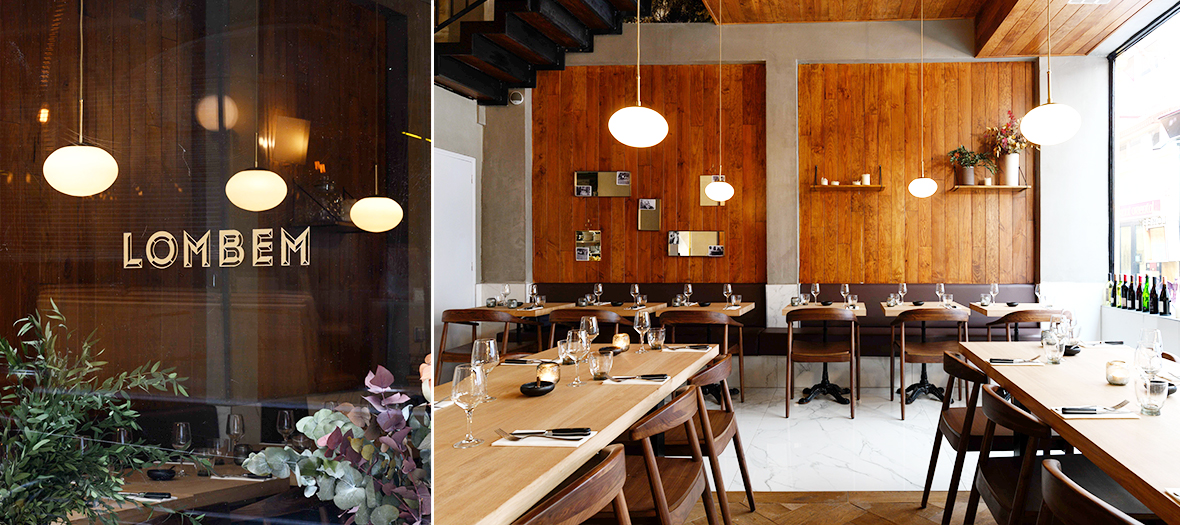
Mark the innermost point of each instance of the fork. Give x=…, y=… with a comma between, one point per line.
x=510, y=437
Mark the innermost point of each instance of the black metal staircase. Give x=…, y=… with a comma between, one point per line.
x=526, y=36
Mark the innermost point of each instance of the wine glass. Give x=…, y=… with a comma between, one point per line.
x=815, y=292
x=485, y=356
x=468, y=390
x=1037, y=291
x=597, y=292
x=575, y=351
x=642, y=325
x=589, y=325
x=939, y=289
x=1147, y=353
x=635, y=293
x=727, y=290
x=285, y=424
x=504, y=291
x=901, y=290
x=123, y=436
x=688, y=294
x=533, y=294
x=995, y=290
x=182, y=435
x=844, y=292
x=235, y=428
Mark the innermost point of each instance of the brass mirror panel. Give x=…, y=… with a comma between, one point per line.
x=602, y=184
x=649, y=215
x=588, y=245
x=705, y=180
x=696, y=244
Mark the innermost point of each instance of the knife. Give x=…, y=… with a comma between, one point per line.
x=645, y=377
x=1091, y=410
x=148, y=495
x=1005, y=361
x=585, y=431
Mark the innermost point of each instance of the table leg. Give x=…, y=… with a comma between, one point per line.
x=825, y=387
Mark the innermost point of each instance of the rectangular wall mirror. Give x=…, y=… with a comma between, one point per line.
x=602, y=184
x=696, y=244
x=588, y=246
x=649, y=215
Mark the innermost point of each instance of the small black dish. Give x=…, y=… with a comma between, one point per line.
x=919, y=303
x=702, y=303
x=1171, y=388
x=612, y=349
x=616, y=303
x=252, y=475
x=1013, y=304
x=826, y=303
x=1072, y=350
x=161, y=474
x=697, y=347
x=536, y=389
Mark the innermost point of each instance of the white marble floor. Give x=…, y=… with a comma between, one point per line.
x=820, y=449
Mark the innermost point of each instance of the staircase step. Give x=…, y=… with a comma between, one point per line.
x=468, y=81
x=517, y=36
x=599, y=15
x=553, y=21
x=481, y=53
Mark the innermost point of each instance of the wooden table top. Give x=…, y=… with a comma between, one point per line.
x=892, y=311
x=1002, y=309
x=860, y=307
x=624, y=310
x=1138, y=453
x=521, y=312
x=744, y=308
x=194, y=491
x=487, y=485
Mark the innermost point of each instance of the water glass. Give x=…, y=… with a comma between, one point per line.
x=600, y=364
x=851, y=299
x=1150, y=392
x=655, y=338
x=735, y=300
x=565, y=351
x=1048, y=338
x=678, y=300
x=985, y=299
x=948, y=300
x=893, y=300
x=468, y=390
x=641, y=300
x=1055, y=352
x=540, y=301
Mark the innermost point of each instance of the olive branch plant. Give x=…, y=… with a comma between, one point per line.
x=55, y=416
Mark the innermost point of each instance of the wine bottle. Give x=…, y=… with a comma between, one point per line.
x=1153, y=300
x=1122, y=291
x=1165, y=307
x=1137, y=294
x=1143, y=295
x=1109, y=299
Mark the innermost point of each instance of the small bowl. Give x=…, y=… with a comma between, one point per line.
x=613, y=349
x=1171, y=388
x=703, y=303
x=1072, y=350
x=1013, y=304
x=161, y=474
x=919, y=303
x=616, y=303
x=536, y=389
x=826, y=303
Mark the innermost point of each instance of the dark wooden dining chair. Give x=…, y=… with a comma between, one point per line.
x=824, y=352
x=717, y=428
x=664, y=490
x=569, y=318
x=277, y=506
x=1024, y=316
x=673, y=318
x=596, y=484
x=1067, y=503
x=1011, y=486
x=472, y=317
x=922, y=351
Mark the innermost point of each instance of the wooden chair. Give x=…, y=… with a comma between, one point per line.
x=924, y=352
x=571, y=318
x=1024, y=316
x=1011, y=486
x=717, y=428
x=673, y=318
x=963, y=427
x=472, y=317
x=824, y=352
x=664, y=490
x=1066, y=502
x=282, y=504
x=597, y=483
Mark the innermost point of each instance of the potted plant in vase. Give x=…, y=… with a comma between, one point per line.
x=1006, y=143
x=965, y=160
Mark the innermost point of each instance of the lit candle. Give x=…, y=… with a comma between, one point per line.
x=622, y=341
x=548, y=373
x=1117, y=373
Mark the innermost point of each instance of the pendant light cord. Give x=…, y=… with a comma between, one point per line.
x=638, y=85
x=922, y=85
x=81, y=66
x=720, y=39
x=376, y=94
x=1049, y=49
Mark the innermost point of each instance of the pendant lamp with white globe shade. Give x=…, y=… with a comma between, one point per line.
x=80, y=170
x=719, y=190
x=637, y=126
x=255, y=189
x=376, y=214
x=923, y=186
x=1050, y=123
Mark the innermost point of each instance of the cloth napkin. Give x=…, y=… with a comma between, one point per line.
x=1174, y=493
x=636, y=382
x=1034, y=363
x=530, y=308
x=543, y=442
x=1129, y=414
x=240, y=478
x=732, y=308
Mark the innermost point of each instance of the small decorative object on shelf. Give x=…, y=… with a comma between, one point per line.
x=1006, y=143
x=965, y=161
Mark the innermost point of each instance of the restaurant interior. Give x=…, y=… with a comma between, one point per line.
x=712, y=261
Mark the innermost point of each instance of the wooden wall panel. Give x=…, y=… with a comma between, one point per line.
x=856, y=117
x=570, y=113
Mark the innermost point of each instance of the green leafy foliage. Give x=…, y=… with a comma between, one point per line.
x=961, y=156
x=55, y=454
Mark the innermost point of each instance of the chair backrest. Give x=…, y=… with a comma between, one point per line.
x=567, y=317
x=585, y=493
x=715, y=372
x=820, y=314
x=958, y=315
x=1005, y=414
x=1031, y=316
x=957, y=368
x=699, y=317
x=1069, y=503
x=480, y=315
x=676, y=412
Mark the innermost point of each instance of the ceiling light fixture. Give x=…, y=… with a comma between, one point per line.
x=922, y=186
x=376, y=214
x=719, y=190
x=637, y=126
x=1050, y=123
x=80, y=170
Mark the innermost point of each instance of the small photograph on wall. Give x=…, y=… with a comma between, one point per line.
x=719, y=178
x=623, y=178
x=582, y=253
x=595, y=252
x=583, y=191
x=673, y=237
x=716, y=250
x=647, y=204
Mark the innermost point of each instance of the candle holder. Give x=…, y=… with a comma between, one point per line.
x=1117, y=373
x=622, y=342
x=549, y=373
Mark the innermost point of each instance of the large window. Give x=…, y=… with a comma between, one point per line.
x=1147, y=154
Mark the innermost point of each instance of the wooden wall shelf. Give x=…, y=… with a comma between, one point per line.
x=959, y=187
x=841, y=187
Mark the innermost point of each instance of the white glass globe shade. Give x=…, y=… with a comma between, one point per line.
x=638, y=127
x=256, y=190
x=207, y=113
x=1050, y=124
x=80, y=171
x=923, y=187
x=376, y=214
x=719, y=191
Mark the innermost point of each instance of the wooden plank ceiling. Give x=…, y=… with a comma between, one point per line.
x=1003, y=28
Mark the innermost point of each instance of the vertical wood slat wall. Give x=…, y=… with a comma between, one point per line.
x=570, y=113
x=854, y=117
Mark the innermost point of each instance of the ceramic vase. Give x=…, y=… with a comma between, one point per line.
x=1010, y=165
x=966, y=175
